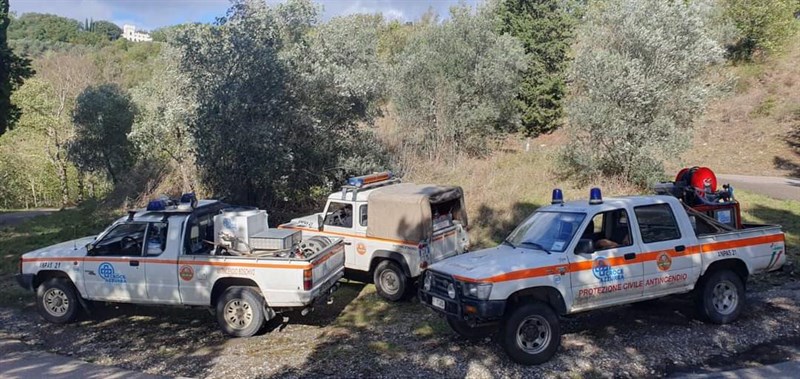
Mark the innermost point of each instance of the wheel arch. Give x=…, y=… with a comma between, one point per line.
x=45, y=275
x=546, y=294
x=223, y=284
x=738, y=266
x=381, y=255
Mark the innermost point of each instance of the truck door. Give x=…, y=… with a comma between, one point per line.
x=612, y=272
x=669, y=261
x=339, y=221
x=113, y=268
x=161, y=261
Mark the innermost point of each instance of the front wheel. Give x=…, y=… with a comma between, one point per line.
x=531, y=334
x=57, y=301
x=390, y=281
x=720, y=297
x=469, y=332
x=240, y=311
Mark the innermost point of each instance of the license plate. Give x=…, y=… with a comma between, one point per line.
x=438, y=303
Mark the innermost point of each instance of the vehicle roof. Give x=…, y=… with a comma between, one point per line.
x=144, y=215
x=609, y=203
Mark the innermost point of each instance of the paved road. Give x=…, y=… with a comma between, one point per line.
x=18, y=360
x=16, y=217
x=772, y=186
x=785, y=370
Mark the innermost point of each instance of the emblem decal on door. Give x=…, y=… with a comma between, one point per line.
x=603, y=271
x=664, y=262
x=186, y=273
x=106, y=271
x=361, y=249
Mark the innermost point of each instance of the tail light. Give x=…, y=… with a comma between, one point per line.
x=20, y=265
x=307, y=282
x=424, y=254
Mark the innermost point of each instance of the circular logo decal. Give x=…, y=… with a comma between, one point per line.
x=186, y=273
x=664, y=261
x=106, y=271
x=361, y=249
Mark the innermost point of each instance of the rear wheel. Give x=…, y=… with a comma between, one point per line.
x=720, y=297
x=390, y=281
x=240, y=311
x=531, y=334
x=465, y=330
x=57, y=301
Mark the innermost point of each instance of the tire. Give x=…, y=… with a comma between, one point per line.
x=240, y=311
x=720, y=297
x=531, y=334
x=390, y=281
x=57, y=301
x=471, y=333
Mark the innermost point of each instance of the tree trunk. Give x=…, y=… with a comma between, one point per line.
x=62, y=180
x=81, y=187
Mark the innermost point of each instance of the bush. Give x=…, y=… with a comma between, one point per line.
x=764, y=25
x=638, y=83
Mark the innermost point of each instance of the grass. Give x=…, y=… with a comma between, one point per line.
x=762, y=209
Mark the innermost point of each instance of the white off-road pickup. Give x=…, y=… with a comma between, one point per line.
x=578, y=256
x=191, y=253
x=392, y=230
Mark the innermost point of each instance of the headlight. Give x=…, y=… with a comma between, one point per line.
x=451, y=291
x=426, y=284
x=477, y=290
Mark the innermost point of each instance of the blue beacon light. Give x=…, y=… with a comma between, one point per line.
x=558, y=197
x=595, y=197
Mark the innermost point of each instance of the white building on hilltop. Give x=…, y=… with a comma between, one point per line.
x=129, y=33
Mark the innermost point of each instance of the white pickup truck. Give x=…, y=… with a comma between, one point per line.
x=193, y=254
x=392, y=230
x=578, y=256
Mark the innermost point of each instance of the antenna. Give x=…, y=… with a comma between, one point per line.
x=74, y=237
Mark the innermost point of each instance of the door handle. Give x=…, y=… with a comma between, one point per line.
x=630, y=256
x=90, y=272
x=680, y=248
x=134, y=263
x=348, y=243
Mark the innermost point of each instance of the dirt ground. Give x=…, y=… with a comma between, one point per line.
x=362, y=336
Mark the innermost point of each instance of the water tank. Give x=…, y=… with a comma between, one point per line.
x=240, y=224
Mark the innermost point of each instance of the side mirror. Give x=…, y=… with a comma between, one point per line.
x=584, y=246
x=89, y=248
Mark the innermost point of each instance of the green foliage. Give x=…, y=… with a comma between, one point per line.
x=103, y=118
x=13, y=72
x=546, y=30
x=764, y=25
x=456, y=83
x=275, y=108
x=54, y=29
x=639, y=80
x=126, y=63
x=109, y=30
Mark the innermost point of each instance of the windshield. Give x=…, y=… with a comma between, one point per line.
x=548, y=231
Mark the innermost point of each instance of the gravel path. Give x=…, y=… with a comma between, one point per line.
x=361, y=336
x=17, y=217
x=772, y=186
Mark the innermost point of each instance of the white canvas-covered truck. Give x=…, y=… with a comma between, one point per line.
x=192, y=253
x=392, y=231
x=578, y=256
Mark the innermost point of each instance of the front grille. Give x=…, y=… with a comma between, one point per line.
x=440, y=283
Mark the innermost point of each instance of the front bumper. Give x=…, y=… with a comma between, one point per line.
x=472, y=310
x=25, y=281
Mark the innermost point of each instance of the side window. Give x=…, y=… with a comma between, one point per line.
x=124, y=240
x=657, y=223
x=609, y=230
x=362, y=211
x=199, y=234
x=340, y=214
x=156, y=238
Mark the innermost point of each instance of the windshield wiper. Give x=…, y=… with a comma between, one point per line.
x=507, y=242
x=536, y=246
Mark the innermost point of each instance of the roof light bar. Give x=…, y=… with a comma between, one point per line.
x=595, y=197
x=558, y=197
x=359, y=181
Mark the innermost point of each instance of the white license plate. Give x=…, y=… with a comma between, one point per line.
x=437, y=302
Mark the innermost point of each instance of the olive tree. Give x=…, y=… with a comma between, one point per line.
x=638, y=82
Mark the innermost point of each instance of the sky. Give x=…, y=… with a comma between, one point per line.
x=151, y=14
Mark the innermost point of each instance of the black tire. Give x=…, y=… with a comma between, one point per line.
x=57, y=301
x=472, y=333
x=390, y=281
x=537, y=323
x=240, y=311
x=720, y=297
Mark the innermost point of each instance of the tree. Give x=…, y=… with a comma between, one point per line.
x=546, y=29
x=44, y=27
x=273, y=118
x=639, y=80
x=456, y=83
x=764, y=25
x=13, y=72
x=164, y=115
x=107, y=29
x=103, y=118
